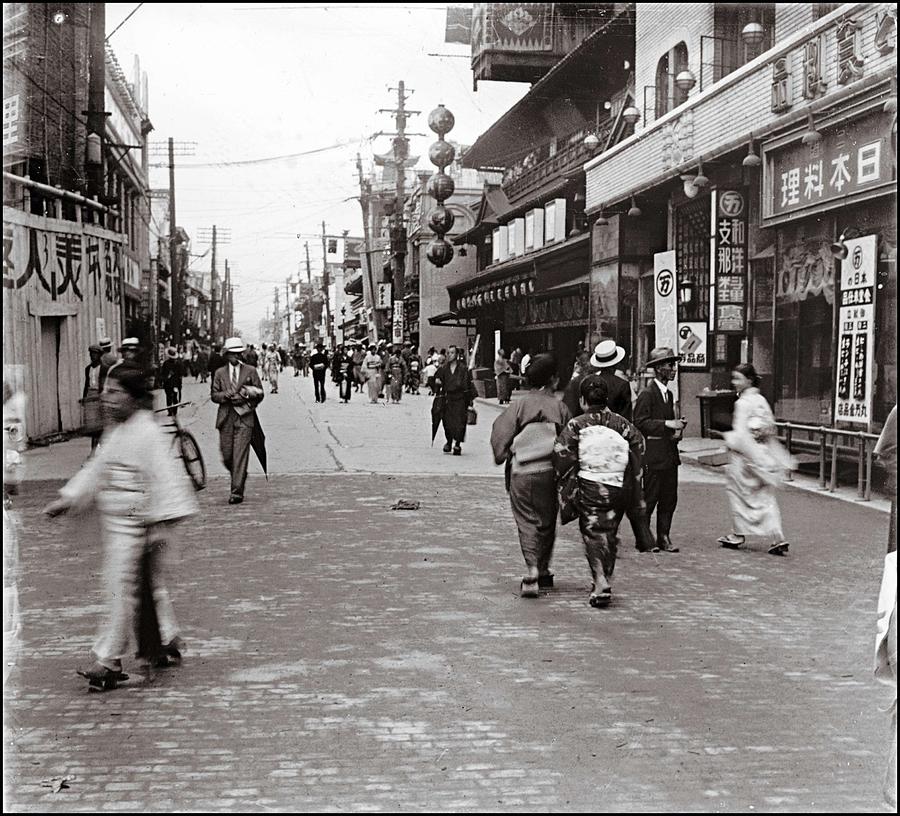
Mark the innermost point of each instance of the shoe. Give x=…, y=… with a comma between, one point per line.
x=600, y=599
x=102, y=678
x=457, y=451
x=447, y=448
x=235, y=499
x=545, y=581
x=731, y=541
x=780, y=548
x=665, y=545
x=529, y=588
x=646, y=548
x=170, y=653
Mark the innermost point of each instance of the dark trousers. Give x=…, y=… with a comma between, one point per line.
x=173, y=397
x=344, y=388
x=661, y=494
x=234, y=443
x=532, y=497
x=319, y=383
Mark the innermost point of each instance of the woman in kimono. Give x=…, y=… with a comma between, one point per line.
x=453, y=381
x=523, y=437
x=502, y=370
x=347, y=375
x=757, y=465
x=140, y=492
x=371, y=372
x=597, y=458
x=397, y=369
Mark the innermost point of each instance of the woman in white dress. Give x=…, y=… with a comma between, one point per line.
x=758, y=465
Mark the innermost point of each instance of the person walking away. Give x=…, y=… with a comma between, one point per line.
x=428, y=372
x=523, y=437
x=597, y=458
x=297, y=358
x=604, y=362
x=359, y=355
x=216, y=360
x=372, y=364
x=94, y=381
x=263, y=365
x=414, y=372
x=140, y=493
x=335, y=363
x=305, y=361
x=454, y=382
x=886, y=635
x=203, y=364
x=654, y=417
x=397, y=368
x=251, y=357
x=319, y=364
x=515, y=360
x=347, y=375
x=272, y=365
x=237, y=390
x=502, y=370
x=757, y=466
x=170, y=376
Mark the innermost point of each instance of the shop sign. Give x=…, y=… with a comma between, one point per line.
x=383, y=296
x=692, y=345
x=397, y=325
x=856, y=333
x=852, y=159
x=665, y=303
x=730, y=261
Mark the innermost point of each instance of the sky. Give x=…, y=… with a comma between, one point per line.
x=250, y=81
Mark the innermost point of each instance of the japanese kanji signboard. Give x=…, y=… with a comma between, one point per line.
x=851, y=159
x=730, y=261
x=692, y=345
x=856, y=333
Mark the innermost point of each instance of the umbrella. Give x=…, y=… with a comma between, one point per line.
x=258, y=443
x=437, y=415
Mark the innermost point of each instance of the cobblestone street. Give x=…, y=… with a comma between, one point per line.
x=344, y=656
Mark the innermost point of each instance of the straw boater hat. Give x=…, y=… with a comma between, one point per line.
x=607, y=354
x=661, y=354
x=130, y=342
x=233, y=344
x=105, y=343
x=171, y=353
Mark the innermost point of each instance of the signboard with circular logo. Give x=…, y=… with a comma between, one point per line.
x=731, y=203
x=665, y=282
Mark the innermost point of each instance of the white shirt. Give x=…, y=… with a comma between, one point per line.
x=234, y=373
x=664, y=388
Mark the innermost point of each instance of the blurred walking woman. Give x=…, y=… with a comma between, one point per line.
x=139, y=491
x=523, y=437
x=502, y=370
x=758, y=464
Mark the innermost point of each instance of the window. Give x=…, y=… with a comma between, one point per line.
x=668, y=94
x=725, y=50
x=692, y=231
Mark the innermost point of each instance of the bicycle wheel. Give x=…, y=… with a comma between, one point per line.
x=192, y=459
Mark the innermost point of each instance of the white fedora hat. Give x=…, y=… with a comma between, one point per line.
x=233, y=344
x=607, y=354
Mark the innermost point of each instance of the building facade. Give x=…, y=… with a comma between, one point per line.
x=759, y=189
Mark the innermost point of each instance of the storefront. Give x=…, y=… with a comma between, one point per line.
x=831, y=198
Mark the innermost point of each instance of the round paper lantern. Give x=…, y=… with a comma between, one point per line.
x=441, y=153
x=441, y=187
x=441, y=220
x=441, y=121
x=439, y=252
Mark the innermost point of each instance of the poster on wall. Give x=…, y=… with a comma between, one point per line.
x=692, y=345
x=665, y=294
x=853, y=389
x=397, y=334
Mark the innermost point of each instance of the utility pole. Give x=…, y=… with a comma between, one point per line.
x=368, y=283
x=309, y=296
x=175, y=272
x=228, y=297
x=398, y=231
x=96, y=118
x=325, y=290
x=288, y=308
x=276, y=320
x=215, y=236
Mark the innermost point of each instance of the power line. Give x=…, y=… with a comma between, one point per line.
x=123, y=22
x=263, y=160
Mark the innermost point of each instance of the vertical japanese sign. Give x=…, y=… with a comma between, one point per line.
x=730, y=258
x=665, y=302
x=856, y=333
x=397, y=335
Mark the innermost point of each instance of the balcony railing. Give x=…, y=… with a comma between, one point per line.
x=538, y=167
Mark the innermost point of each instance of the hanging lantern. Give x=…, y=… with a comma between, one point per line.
x=441, y=121
x=440, y=186
x=439, y=252
x=441, y=220
x=441, y=153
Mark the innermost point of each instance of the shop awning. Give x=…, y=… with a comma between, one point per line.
x=451, y=319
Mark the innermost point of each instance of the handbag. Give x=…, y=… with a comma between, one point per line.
x=471, y=416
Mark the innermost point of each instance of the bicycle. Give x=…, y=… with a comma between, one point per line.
x=188, y=449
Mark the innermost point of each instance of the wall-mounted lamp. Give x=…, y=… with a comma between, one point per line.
x=751, y=159
x=685, y=290
x=753, y=33
x=634, y=211
x=602, y=220
x=839, y=248
x=690, y=186
x=700, y=180
x=607, y=105
x=626, y=65
x=685, y=80
x=591, y=142
x=631, y=115
x=812, y=136
x=94, y=149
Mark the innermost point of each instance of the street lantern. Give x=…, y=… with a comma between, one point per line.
x=685, y=291
x=440, y=187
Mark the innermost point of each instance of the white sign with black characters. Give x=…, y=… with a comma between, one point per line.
x=853, y=388
x=692, y=345
x=666, y=303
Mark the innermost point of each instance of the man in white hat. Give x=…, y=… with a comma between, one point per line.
x=237, y=390
x=603, y=362
x=654, y=417
x=130, y=350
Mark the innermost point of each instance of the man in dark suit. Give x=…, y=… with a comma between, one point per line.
x=603, y=362
x=237, y=390
x=319, y=364
x=654, y=417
